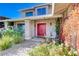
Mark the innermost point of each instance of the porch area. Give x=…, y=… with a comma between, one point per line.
x=31, y=27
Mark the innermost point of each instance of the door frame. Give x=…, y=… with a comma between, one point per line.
x=37, y=28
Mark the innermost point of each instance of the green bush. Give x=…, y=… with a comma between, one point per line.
x=55, y=50
x=8, y=32
x=52, y=50
x=9, y=37
x=17, y=37
x=5, y=42
x=39, y=51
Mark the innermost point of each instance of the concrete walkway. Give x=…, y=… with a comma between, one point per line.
x=20, y=49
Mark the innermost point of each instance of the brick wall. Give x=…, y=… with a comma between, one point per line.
x=71, y=27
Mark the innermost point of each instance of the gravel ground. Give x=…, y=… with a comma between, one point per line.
x=20, y=49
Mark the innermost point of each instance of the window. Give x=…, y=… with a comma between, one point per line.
x=21, y=27
x=1, y=24
x=41, y=11
x=29, y=14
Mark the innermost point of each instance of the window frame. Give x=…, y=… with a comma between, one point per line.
x=22, y=24
x=29, y=12
x=41, y=7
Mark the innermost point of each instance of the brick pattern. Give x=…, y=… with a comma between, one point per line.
x=71, y=27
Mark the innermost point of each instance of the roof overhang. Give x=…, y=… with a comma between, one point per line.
x=60, y=7
x=33, y=18
x=39, y=5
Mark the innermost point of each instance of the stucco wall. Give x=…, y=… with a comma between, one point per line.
x=49, y=10
x=31, y=27
x=50, y=29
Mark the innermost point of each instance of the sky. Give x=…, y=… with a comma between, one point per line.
x=11, y=10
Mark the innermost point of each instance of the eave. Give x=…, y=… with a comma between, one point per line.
x=33, y=18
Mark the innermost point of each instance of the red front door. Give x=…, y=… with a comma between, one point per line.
x=41, y=29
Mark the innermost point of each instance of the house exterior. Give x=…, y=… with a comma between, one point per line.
x=2, y=23
x=58, y=20
x=39, y=20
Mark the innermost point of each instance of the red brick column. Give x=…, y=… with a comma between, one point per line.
x=71, y=28
x=77, y=41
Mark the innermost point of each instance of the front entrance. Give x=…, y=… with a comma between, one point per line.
x=41, y=29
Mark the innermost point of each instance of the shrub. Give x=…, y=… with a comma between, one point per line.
x=5, y=42
x=55, y=50
x=8, y=38
x=52, y=50
x=39, y=51
x=70, y=52
x=8, y=32
x=0, y=34
x=17, y=37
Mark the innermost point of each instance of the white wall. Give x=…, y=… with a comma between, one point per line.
x=27, y=30
x=49, y=29
x=49, y=10
x=6, y=25
x=31, y=28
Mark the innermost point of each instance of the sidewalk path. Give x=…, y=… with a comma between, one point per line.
x=20, y=49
